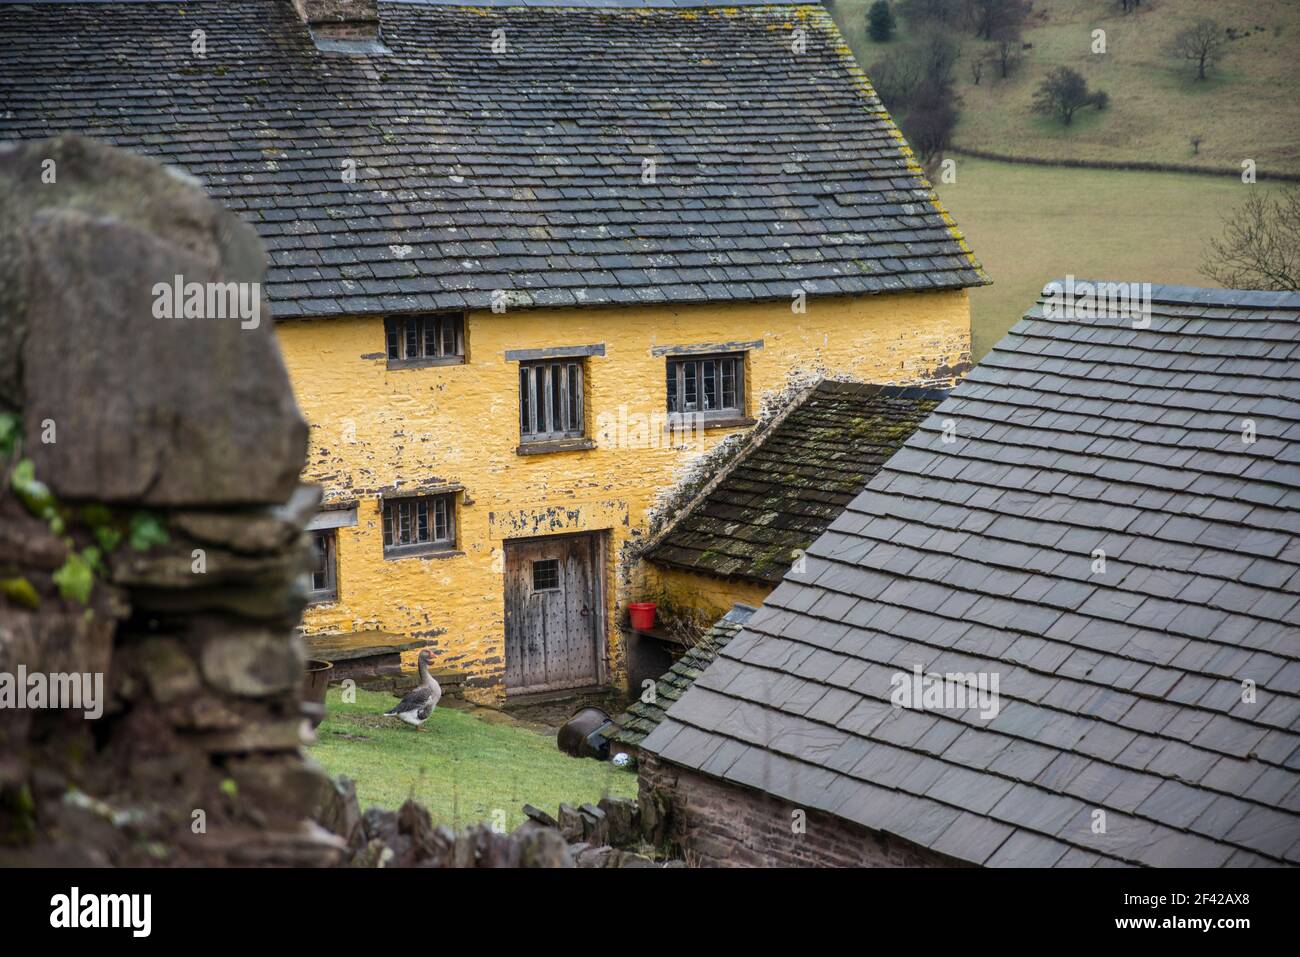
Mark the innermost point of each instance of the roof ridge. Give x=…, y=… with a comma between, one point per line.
x=1184, y=295
x=887, y=390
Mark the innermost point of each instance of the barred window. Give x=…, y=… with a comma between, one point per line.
x=550, y=400
x=419, y=524
x=546, y=574
x=709, y=385
x=425, y=340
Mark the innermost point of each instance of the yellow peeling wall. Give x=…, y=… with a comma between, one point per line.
x=375, y=429
x=697, y=597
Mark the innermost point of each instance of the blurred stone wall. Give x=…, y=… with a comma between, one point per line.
x=150, y=527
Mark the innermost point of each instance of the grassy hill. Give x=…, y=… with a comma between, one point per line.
x=1031, y=224
x=1248, y=108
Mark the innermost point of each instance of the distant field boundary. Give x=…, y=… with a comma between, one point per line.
x=1260, y=174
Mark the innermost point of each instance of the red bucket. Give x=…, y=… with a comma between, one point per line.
x=642, y=614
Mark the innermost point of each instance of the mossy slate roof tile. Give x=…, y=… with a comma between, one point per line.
x=521, y=171
x=784, y=491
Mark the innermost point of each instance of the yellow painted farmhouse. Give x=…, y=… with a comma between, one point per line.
x=530, y=267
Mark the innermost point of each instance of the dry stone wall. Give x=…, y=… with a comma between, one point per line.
x=604, y=835
x=150, y=528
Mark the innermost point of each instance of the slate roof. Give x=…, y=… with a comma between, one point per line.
x=642, y=717
x=520, y=172
x=1120, y=691
x=782, y=492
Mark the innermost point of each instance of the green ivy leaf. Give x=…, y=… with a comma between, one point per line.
x=146, y=532
x=75, y=579
x=24, y=473
x=108, y=538
x=96, y=515
x=91, y=554
x=35, y=495
x=10, y=430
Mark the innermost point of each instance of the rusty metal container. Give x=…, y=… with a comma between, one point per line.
x=583, y=735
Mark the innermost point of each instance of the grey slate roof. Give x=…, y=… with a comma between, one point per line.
x=643, y=717
x=1120, y=691
x=783, y=491
x=520, y=172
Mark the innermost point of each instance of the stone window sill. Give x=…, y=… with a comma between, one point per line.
x=397, y=364
x=432, y=550
x=720, y=422
x=555, y=445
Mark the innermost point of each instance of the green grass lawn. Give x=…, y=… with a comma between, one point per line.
x=459, y=766
x=1031, y=224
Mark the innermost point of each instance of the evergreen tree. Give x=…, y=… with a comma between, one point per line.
x=880, y=22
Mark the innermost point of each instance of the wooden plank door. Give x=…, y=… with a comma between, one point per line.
x=554, y=623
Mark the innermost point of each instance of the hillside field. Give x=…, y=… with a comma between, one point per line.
x=1031, y=224
x=1247, y=108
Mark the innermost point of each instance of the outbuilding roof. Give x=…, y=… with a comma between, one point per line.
x=786, y=488
x=558, y=156
x=1105, y=517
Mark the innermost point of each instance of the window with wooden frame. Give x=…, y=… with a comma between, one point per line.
x=424, y=524
x=712, y=386
x=550, y=400
x=322, y=579
x=425, y=340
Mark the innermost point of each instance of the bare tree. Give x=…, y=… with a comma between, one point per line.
x=1260, y=246
x=930, y=122
x=1064, y=93
x=896, y=77
x=988, y=18
x=941, y=12
x=916, y=83
x=1007, y=50
x=938, y=52
x=1203, y=43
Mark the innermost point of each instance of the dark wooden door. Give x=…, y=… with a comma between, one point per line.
x=554, y=623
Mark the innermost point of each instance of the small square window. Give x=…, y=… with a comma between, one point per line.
x=322, y=579
x=413, y=525
x=709, y=386
x=546, y=575
x=425, y=340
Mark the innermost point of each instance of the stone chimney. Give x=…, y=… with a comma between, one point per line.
x=342, y=26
